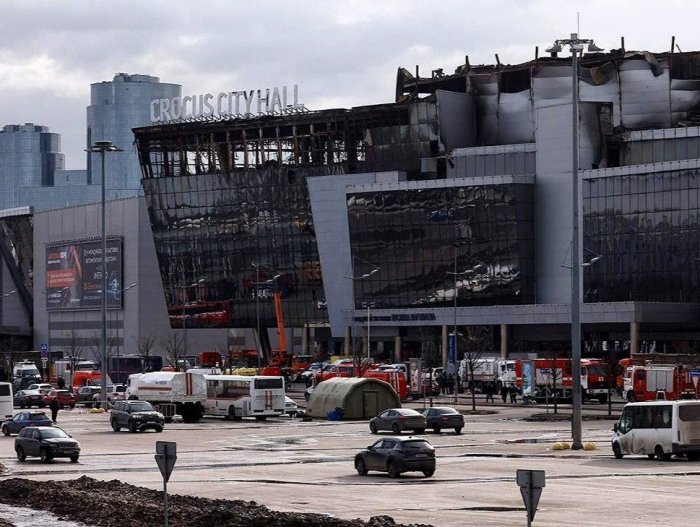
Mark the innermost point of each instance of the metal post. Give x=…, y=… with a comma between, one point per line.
x=184, y=317
x=575, y=268
x=455, y=373
x=103, y=381
x=368, y=325
x=257, y=314
x=102, y=147
x=165, y=502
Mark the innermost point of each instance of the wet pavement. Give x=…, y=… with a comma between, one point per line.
x=23, y=517
x=289, y=464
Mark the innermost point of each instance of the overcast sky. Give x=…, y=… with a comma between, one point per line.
x=341, y=53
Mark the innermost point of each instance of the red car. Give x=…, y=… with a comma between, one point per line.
x=64, y=398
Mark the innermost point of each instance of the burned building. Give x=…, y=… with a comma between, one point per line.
x=450, y=205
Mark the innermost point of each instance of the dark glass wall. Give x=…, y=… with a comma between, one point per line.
x=409, y=239
x=645, y=228
x=224, y=195
x=211, y=229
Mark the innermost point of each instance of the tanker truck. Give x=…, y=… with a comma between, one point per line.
x=173, y=393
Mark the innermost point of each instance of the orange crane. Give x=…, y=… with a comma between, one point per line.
x=281, y=333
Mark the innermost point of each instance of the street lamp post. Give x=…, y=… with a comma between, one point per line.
x=576, y=46
x=257, y=267
x=102, y=147
x=368, y=305
x=116, y=319
x=351, y=276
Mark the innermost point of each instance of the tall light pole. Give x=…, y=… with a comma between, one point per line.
x=368, y=305
x=576, y=46
x=116, y=319
x=257, y=267
x=351, y=276
x=184, y=313
x=102, y=147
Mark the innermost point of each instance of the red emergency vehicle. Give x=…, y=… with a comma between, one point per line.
x=656, y=381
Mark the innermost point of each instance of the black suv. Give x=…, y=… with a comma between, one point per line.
x=136, y=416
x=396, y=455
x=46, y=442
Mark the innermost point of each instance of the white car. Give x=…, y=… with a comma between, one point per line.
x=114, y=393
x=290, y=407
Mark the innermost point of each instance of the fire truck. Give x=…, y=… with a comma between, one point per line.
x=396, y=379
x=656, y=381
x=597, y=376
x=554, y=376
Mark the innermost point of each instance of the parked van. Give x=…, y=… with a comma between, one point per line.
x=659, y=429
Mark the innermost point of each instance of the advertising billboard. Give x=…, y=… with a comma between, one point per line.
x=74, y=275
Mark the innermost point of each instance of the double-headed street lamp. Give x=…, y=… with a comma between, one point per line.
x=576, y=46
x=373, y=269
x=101, y=147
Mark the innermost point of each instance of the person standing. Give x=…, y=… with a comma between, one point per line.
x=504, y=393
x=513, y=394
x=54, y=409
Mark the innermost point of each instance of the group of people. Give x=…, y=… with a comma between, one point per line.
x=508, y=392
x=446, y=382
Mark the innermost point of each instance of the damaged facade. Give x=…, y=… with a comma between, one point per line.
x=376, y=206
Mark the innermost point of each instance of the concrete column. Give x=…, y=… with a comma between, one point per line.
x=504, y=341
x=444, y=346
x=347, y=342
x=397, y=348
x=634, y=338
x=304, y=339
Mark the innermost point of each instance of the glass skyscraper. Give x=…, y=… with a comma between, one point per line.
x=116, y=107
x=29, y=156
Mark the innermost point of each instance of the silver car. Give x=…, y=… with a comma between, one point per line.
x=397, y=420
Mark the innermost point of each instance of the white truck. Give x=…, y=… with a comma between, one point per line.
x=25, y=368
x=489, y=371
x=172, y=393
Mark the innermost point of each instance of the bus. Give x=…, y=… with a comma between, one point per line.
x=658, y=429
x=7, y=403
x=239, y=396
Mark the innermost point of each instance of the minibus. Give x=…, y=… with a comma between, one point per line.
x=659, y=430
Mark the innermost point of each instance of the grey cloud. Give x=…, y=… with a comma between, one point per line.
x=200, y=44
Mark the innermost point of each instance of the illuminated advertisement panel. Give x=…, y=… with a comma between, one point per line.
x=74, y=275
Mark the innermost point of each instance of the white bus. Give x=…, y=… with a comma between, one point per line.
x=6, y=401
x=238, y=396
x=659, y=429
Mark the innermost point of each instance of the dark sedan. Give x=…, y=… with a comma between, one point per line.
x=24, y=419
x=47, y=443
x=396, y=455
x=397, y=420
x=441, y=417
x=29, y=398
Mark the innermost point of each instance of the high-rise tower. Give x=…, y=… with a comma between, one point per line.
x=116, y=107
x=29, y=156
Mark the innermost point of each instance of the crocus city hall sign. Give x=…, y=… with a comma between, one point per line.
x=250, y=103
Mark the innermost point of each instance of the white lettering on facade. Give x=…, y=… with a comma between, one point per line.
x=260, y=102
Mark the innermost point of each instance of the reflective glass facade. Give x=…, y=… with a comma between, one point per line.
x=116, y=107
x=411, y=237
x=225, y=195
x=646, y=229
x=209, y=232
x=29, y=157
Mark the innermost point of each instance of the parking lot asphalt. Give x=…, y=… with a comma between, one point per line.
x=290, y=464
